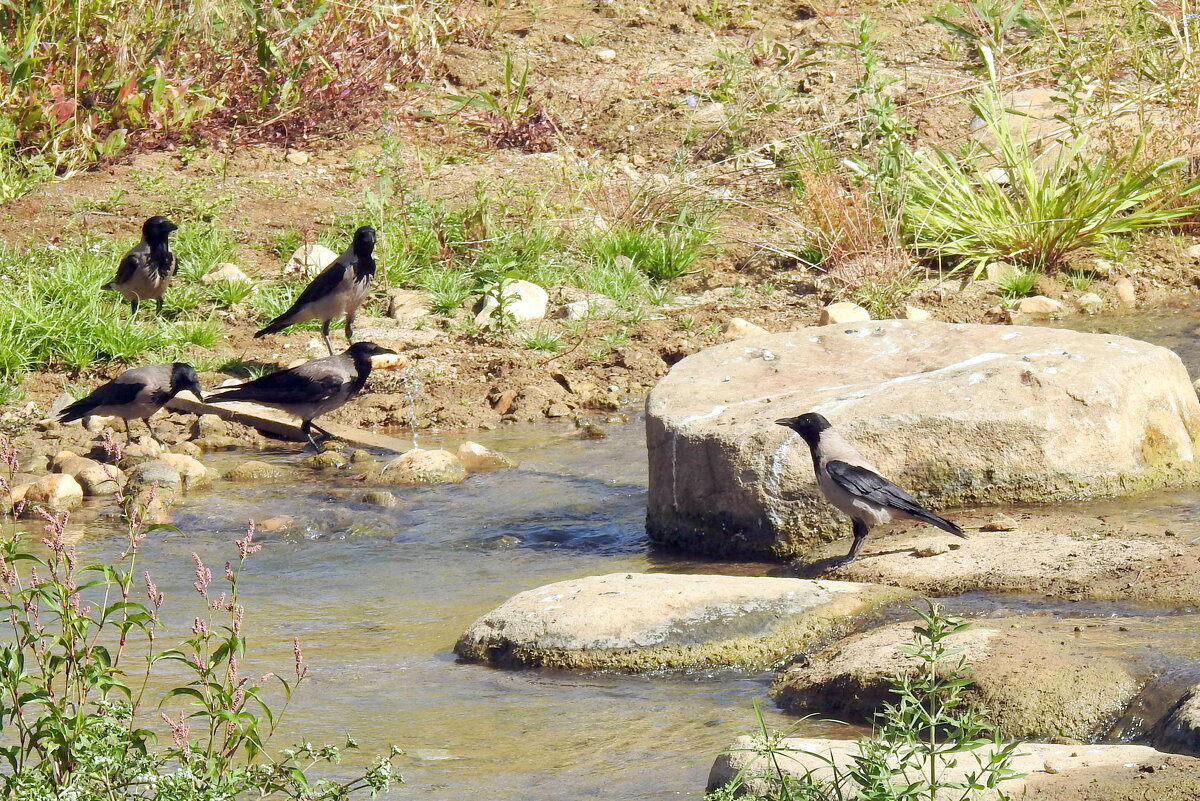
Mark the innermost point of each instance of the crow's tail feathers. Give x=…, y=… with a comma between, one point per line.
x=275, y=326
x=76, y=411
x=110, y=285
x=929, y=517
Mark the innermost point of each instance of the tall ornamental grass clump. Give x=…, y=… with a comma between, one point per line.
x=1007, y=202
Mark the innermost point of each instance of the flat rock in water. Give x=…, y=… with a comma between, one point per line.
x=254, y=471
x=1051, y=772
x=955, y=413
x=650, y=621
x=420, y=466
x=1032, y=684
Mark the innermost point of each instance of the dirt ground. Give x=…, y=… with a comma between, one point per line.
x=622, y=81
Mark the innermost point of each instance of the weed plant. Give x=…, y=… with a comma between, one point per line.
x=85, y=641
x=928, y=729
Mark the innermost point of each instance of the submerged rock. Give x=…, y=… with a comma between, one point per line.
x=479, y=459
x=380, y=498
x=1033, y=685
x=251, y=471
x=420, y=466
x=326, y=460
x=649, y=621
x=989, y=415
x=1044, y=771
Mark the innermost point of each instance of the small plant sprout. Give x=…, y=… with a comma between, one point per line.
x=1018, y=284
x=544, y=340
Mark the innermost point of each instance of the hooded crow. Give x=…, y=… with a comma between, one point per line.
x=854, y=486
x=145, y=271
x=313, y=388
x=339, y=290
x=139, y=392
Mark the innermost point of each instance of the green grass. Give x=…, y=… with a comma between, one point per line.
x=544, y=340
x=226, y=294
x=200, y=246
x=1043, y=210
x=661, y=250
x=1018, y=284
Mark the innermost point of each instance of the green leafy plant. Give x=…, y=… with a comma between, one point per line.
x=230, y=293
x=1008, y=204
x=75, y=678
x=661, y=249
x=928, y=729
x=544, y=340
x=510, y=118
x=988, y=25
x=1018, y=284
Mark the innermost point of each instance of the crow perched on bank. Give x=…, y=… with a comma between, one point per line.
x=145, y=271
x=313, y=388
x=854, y=486
x=139, y=392
x=339, y=290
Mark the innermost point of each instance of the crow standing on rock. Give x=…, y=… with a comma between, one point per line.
x=854, y=486
x=313, y=388
x=339, y=290
x=145, y=271
x=139, y=392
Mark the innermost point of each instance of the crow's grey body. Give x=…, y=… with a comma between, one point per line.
x=337, y=292
x=312, y=389
x=145, y=271
x=136, y=394
x=854, y=486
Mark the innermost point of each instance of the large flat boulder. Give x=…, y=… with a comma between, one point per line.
x=1047, y=771
x=651, y=621
x=956, y=413
x=1033, y=685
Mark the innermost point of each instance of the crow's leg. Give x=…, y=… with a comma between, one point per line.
x=860, y=536
x=325, y=336
x=320, y=430
x=128, y=436
x=350, y=328
x=133, y=305
x=306, y=430
x=158, y=306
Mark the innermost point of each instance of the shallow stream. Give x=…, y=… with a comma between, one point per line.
x=379, y=596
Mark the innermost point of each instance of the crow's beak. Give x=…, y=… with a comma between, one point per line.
x=195, y=388
x=786, y=422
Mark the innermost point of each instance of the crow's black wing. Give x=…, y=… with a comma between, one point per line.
x=870, y=485
x=113, y=393
x=287, y=387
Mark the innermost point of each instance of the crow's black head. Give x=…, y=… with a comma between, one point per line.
x=183, y=377
x=156, y=229
x=364, y=240
x=367, y=349
x=809, y=426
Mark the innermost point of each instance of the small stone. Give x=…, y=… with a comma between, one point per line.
x=252, y=471
x=1103, y=268
x=360, y=456
x=407, y=304
x=606, y=55
x=913, y=313
x=209, y=425
x=588, y=307
x=37, y=463
x=95, y=423
x=1126, y=294
x=1000, y=522
x=558, y=409
x=297, y=157
x=524, y=301
x=932, y=549
x=1039, y=305
x=276, y=523
x=479, y=459
x=308, y=260
x=56, y=492
x=101, y=479
x=186, y=448
x=590, y=430
x=420, y=466
x=1090, y=302
x=737, y=328
x=155, y=472
x=380, y=498
x=504, y=402
x=1051, y=766
x=142, y=450
x=997, y=271
x=844, y=312
x=229, y=273
x=190, y=469
x=326, y=460
x=1193, y=252
x=60, y=403
x=61, y=459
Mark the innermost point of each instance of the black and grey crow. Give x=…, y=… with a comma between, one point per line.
x=854, y=486
x=339, y=290
x=313, y=388
x=139, y=392
x=145, y=271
